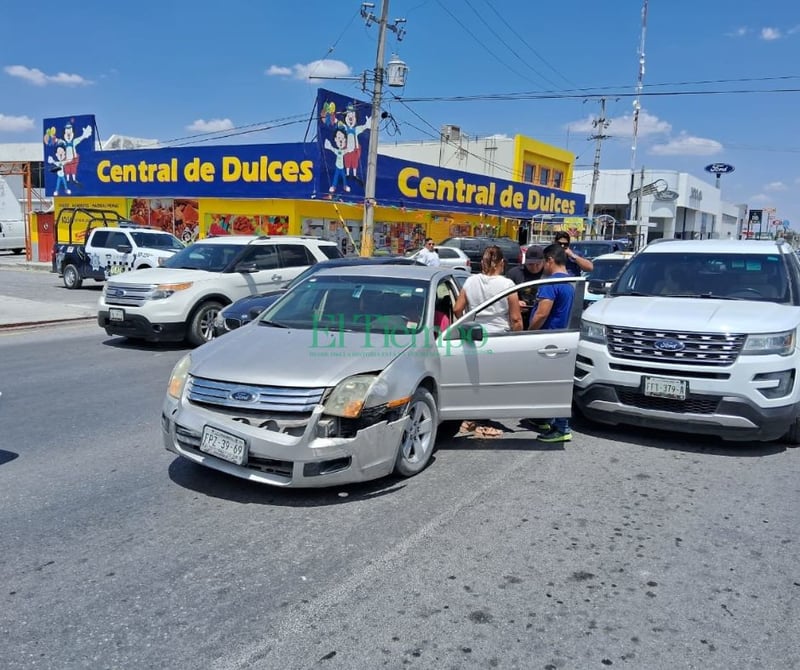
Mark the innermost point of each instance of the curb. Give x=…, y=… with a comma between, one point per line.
x=26, y=267
x=49, y=322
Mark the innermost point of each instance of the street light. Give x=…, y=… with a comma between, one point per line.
x=396, y=77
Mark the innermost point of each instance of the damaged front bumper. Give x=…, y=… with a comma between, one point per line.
x=309, y=451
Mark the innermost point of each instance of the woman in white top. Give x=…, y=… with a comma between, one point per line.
x=504, y=314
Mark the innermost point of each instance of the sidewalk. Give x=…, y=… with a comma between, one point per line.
x=21, y=312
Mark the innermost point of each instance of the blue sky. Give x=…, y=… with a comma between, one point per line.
x=173, y=69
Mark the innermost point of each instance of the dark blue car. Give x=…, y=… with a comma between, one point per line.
x=246, y=309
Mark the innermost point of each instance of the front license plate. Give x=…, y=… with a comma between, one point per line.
x=223, y=445
x=662, y=387
x=116, y=314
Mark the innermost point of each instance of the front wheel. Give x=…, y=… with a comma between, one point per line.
x=72, y=278
x=419, y=436
x=201, y=326
x=792, y=437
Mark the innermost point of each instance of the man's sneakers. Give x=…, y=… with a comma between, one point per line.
x=555, y=436
x=536, y=426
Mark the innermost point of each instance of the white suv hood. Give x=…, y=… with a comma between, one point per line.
x=693, y=314
x=163, y=276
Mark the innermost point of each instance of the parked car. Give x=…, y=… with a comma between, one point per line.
x=345, y=378
x=451, y=257
x=181, y=299
x=244, y=310
x=698, y=337
x=473, y=247
x=606, y=269
x=592, y=249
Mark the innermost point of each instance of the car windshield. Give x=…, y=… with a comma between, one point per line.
x=352, y=303
x=204, y=256
x=593, y=249
x=739, y=276
x=155, y=240
x=606, y=270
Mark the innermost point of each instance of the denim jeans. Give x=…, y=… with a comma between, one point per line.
x=561, y=425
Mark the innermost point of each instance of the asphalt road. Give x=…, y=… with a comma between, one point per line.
x=621, y=549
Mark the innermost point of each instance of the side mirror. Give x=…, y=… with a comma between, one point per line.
x=253, y=312
x=474, y=333
x=124, y=248
x=247, y=267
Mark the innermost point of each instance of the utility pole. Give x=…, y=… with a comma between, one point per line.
x=600, y=124
x=367, y=241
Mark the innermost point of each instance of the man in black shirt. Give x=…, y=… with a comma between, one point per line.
x=530, y=270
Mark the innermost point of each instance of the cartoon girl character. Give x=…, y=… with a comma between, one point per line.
x=352, y=156
x=70, y=144
x=340, y=138
x=59, y=162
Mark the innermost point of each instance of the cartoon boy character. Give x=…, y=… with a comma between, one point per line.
x=340, y=139
x=59, y=162
x=352, y=156
x=70, y=144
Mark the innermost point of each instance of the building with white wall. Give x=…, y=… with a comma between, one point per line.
x=674, y=205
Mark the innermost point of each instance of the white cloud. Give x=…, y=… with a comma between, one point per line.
x=759, y=197
x=775, y=186
x=793, y=30
x=687, y=145
x=39, y=78
x=739, y=32
x=313, y=71
x=622, y=126
x=210, y=126
x=15, y=124
x=770, y=34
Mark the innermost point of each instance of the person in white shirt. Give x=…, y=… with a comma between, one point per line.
x=428, y=254
x=503, y=315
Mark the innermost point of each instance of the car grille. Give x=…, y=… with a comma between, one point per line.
x=232, y=323
x=129, y=295
x=698, y=348
x=694, y=404
x=254, y=399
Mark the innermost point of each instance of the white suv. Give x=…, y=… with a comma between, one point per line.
x=698, y=337
x=180, y=299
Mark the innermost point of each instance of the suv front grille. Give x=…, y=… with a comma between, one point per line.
x=696, y=404
x=692, y=348
x=128, y=295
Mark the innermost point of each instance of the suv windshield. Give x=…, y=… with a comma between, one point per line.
x=154, y=240
x=200, y=256
x=592, y=250
x=745, y=276
x=330, y=303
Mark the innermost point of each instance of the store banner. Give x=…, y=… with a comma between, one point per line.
x=343, y=140
x=243, y=171
x=66, y=139
x=405, y=184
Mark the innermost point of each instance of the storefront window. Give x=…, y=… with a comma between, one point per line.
x=558, y=179
x=528, y=172
x=544, y=176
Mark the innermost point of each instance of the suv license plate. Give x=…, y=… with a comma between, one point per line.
x=223, y=445
x=662, y=387
x=116, y=314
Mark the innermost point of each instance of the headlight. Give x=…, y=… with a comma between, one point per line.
x=593, y=332
x=162, y=291
x=349, y=396
x=180, y=373
x=771, y=343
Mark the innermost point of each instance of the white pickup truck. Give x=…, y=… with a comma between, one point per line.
x=110, y=251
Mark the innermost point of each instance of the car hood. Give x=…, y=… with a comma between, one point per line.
x=262, y=300
x=163, y=276
x=694, y=314
x=266, y=355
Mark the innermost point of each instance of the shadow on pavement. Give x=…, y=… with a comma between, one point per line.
x=227, y=487
x=671, y=441
x=7, y=456
x=119, y=342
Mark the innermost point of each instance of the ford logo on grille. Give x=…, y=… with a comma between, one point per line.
x=115, y=292
x=243, y=396
x=669, y=345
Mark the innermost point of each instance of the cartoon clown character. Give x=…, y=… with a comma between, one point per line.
x=59, y=163
x=339, y=175
x=70, y=144
x=352, y=156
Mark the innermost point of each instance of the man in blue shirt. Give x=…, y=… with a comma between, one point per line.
x=552, y=313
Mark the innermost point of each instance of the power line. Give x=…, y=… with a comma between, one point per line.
x=240, y=130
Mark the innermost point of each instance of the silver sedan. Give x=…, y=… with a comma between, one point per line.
x=352, y=374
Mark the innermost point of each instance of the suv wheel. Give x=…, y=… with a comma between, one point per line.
x=792, y=437
x=201, y=325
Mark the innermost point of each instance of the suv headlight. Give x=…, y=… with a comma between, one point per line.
x=593, y=332
x=162, y=291
x=781, y=344
x=179, y=376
